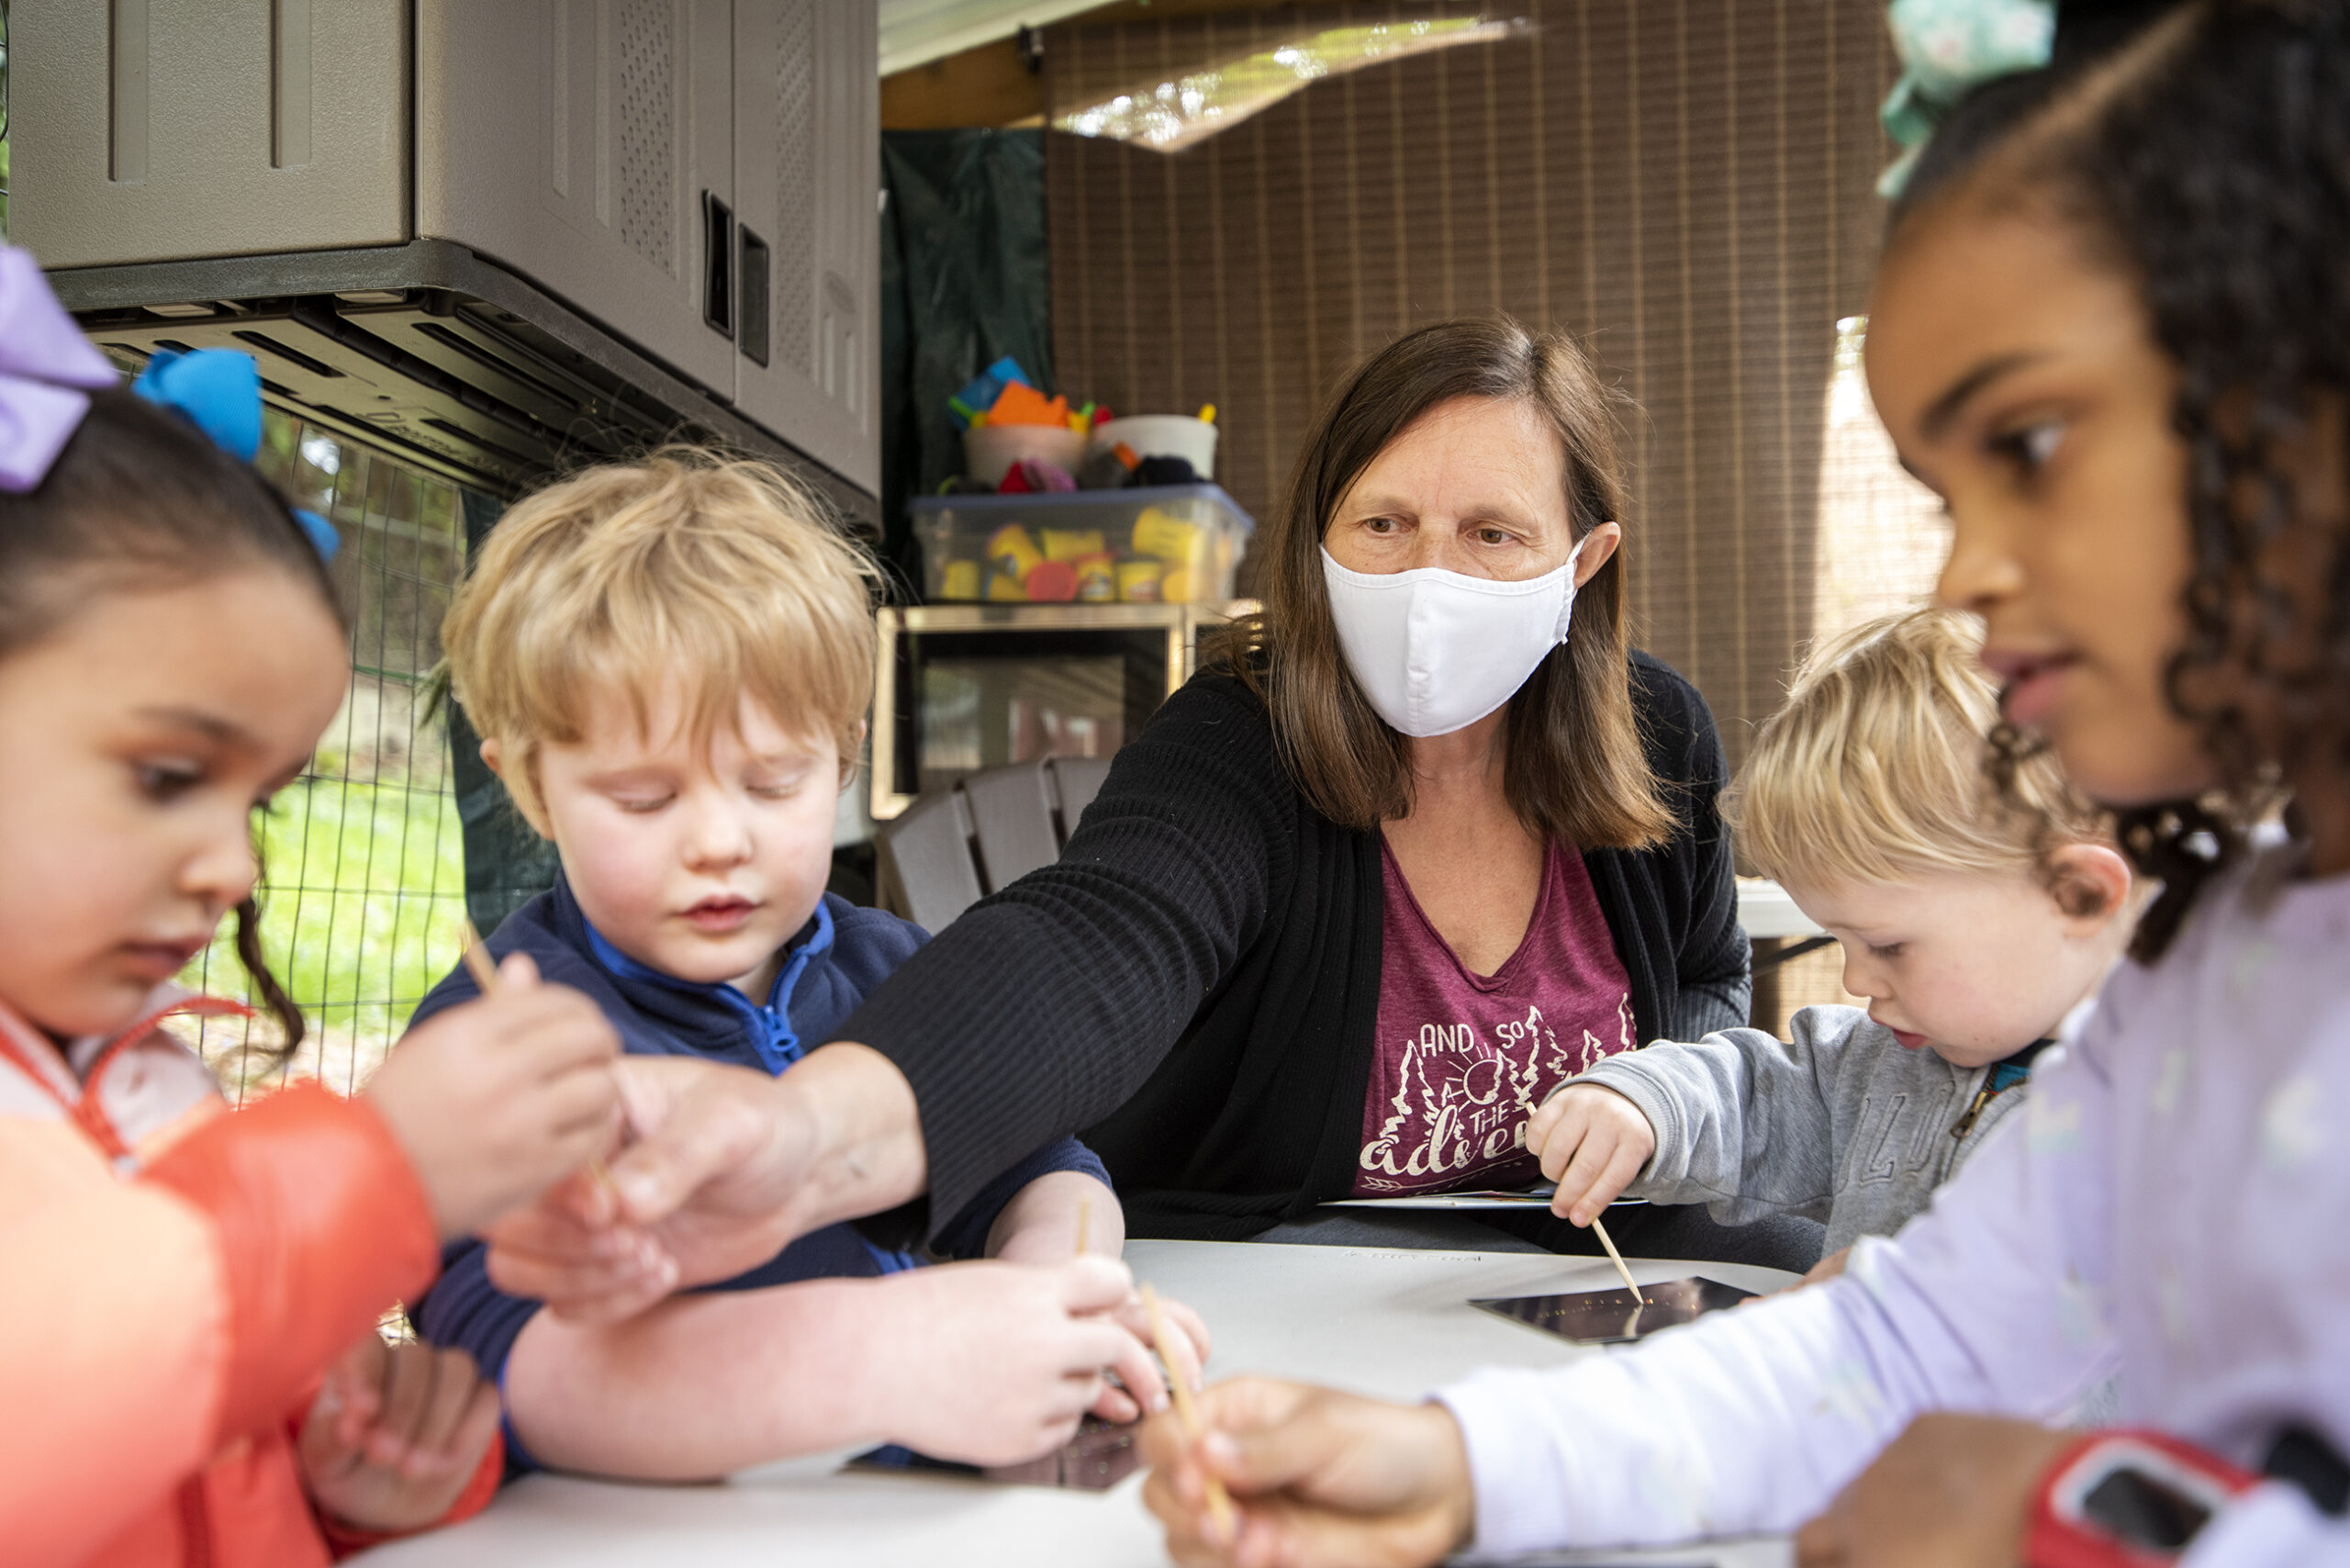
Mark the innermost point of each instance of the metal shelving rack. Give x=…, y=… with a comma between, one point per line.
x=1182, y=623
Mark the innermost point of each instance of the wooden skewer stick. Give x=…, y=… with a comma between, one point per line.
x=479, y=963
x=484, y=968
x=1084, y=1221
x=1616, y=1257
x=1219, y=1500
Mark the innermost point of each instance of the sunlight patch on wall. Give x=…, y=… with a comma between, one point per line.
x=1167, y=116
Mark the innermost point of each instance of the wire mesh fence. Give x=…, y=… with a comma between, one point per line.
x=362, y=880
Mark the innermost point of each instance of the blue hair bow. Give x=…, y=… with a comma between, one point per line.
x=219, y=391
x=47, y=370
x=1947, y=47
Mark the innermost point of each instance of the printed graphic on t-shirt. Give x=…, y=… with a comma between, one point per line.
x=1458, y=1099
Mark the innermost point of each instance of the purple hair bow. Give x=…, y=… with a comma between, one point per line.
x=47, y=370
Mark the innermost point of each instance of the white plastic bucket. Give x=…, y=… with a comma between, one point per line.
x=1162, y=435
x=990, y=450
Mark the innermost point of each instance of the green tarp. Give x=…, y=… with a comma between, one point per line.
x=966, y=279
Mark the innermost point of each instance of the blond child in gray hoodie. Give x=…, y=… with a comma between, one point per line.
x=1972, y=925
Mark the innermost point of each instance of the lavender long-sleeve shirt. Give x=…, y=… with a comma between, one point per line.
x=2175, y=1200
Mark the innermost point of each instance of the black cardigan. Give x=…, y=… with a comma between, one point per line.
x=1195, y=983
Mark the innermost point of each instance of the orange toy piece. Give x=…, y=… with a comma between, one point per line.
x=1021, y=405
x=1051, y=582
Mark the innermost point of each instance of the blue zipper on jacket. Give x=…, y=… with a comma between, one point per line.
x=770, y=1025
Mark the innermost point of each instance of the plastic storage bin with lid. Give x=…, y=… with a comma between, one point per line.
x=1165, y=544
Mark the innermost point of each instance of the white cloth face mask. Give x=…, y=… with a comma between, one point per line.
x=1436, y=650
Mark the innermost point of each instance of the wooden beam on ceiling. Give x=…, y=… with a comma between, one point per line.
x=1131, y=11
x=992, y=85
x=989, y=86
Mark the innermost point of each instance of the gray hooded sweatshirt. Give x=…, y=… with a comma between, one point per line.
x=1839, y=1124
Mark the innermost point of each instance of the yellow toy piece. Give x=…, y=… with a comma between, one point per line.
x=1012, y=551
x=960, y=579
x=1174, y=541
x=1097, y=578
x=1072, y=543
x=1140, y=581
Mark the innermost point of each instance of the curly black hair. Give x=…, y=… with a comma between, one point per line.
x=2204, y=147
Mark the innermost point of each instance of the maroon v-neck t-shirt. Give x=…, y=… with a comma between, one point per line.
x=1462, y=1059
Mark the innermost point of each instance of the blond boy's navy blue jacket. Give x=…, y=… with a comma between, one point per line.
x=833, y=961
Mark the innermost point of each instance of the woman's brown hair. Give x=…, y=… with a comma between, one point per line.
x=1575, y=771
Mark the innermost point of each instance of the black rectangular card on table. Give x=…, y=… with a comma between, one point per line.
x=1097, y=1459
x=1612, y=1317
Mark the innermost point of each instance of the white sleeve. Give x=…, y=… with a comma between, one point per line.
x=1751, y=1421
x=2273, y=1527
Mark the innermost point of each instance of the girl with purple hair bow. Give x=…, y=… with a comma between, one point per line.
x=192, y=1371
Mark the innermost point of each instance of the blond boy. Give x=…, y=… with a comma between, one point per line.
x=668, y=663
x=1973, y=919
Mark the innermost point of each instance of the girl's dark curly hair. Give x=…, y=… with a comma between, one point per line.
x=2205, y=150
x=140, y=496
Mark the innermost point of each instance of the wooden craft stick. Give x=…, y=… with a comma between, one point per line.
x=479, y=963
x=1616, y=1257
x=1219, y=1500
x=484, y=968
x=1084, y=1221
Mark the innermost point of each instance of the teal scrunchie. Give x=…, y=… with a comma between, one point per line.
x=219, y=391
x=1948, y=47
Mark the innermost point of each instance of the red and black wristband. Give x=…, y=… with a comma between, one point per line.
x=2126, y=1498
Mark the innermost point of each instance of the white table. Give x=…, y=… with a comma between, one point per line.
x=1394, y=1324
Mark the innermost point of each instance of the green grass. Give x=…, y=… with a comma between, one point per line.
x=362, y=913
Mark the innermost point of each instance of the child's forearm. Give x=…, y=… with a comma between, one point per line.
x=704, y=1385
x=1040, y=1224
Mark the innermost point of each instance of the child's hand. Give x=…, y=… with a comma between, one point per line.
x=1592, y=1142
x=497, y=1099
x=1826, y=1269
x=395, y=1434
x=994, y=1363
x=1951, y=1491
x=1185, y=1353
x=1318, y=1477
x=1041, y=1224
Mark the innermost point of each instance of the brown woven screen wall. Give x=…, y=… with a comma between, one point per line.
x=1688, y=185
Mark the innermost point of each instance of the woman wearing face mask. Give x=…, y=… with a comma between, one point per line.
x=1417, y=844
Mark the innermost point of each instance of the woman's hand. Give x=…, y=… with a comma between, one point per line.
x=701, y=1191
x=722, y=1166
x=995, y=1363
x=1592, y=1142
x=394, y=1435
x=1318, y=1477
x=1951, y=1492
x=497, y=1100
